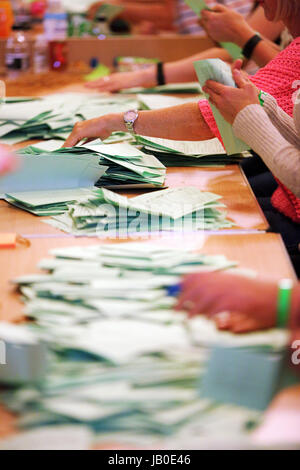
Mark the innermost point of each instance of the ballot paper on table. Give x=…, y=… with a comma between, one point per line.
x=188, y=87
x=219, y=71
x=153, y=101
x=125, y=164
x=135, y=377
x=51, y=172
x=197, y=6
x=188, y=153
x=53, y=116
x=107, y=214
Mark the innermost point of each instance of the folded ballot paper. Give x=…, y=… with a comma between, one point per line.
x=49, y=177
x=53, y=116
x=197, y=6
x=107, y=214
x=177, y=153
x=121, y=361
x=48, y=172
x=219, y=71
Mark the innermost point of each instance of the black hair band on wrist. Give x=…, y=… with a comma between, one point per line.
x=160, y=77
x=251, y=45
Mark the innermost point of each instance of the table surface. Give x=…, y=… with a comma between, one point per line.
x=263, y=252
x=229, y=182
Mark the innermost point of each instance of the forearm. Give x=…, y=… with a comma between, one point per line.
x=183, y=70
x=254, y=127
x=156, y=13
x=282, y=121
x=183, y=122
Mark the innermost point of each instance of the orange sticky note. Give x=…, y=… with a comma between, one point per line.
x=8, y=240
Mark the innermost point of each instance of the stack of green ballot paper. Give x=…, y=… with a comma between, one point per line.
x=58, y=177
x=53, y=116
x=50, y=202
x=107, y=214
x=177, y=153
x=125, y=164
x=121, y=361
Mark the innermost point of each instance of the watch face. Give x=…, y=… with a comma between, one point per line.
x=130, y=116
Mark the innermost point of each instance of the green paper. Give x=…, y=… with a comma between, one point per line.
x=217, y=70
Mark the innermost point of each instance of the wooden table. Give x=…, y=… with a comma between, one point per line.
x=265, y=253
x=229, y=182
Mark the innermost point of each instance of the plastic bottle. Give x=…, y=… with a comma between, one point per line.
x=40, y=55
x=56, y=28
x=21, y=14
x=6, y=19
x=17, y=53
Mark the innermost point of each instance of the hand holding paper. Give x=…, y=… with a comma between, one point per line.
x=219, y=71
x=202, y=10
x=230, y=101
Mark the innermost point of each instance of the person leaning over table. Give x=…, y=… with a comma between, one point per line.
x=239, y=304
x=169, y=14
x=275, y=137
x=224, y=25
x=195, y=121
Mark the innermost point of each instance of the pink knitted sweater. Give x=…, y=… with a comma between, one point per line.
x=279, y=79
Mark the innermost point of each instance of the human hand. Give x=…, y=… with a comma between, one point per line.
x=229, y=100
x=92, y=129
x=93, y=9
x=223, y=24
x=119, y=81
x=249, y=304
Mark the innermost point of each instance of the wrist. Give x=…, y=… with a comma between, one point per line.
x=115, y=122
x=294, y=321
x=149, y=76
x=244, y=35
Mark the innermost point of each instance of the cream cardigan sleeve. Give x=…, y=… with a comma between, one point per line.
x=275, y=136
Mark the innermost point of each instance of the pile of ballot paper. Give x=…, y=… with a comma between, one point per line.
x=107, y=214
x=47, y=166
x=121, y=361
x=53, y=116
x=177, y=153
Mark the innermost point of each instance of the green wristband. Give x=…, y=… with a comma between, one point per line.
x=261, y=97
x=284, y=301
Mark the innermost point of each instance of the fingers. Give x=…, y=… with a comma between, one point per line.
x=214, y=87
x=240, y=79
x=236, y=322
x=237, y=65
x=104, y=84
x=72, y=140
x=75, y=136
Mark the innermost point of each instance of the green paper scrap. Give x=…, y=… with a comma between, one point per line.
x=100, y=71
x=197, y=6
x=219, y=71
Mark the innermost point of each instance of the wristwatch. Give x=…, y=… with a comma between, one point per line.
x=129, y=119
